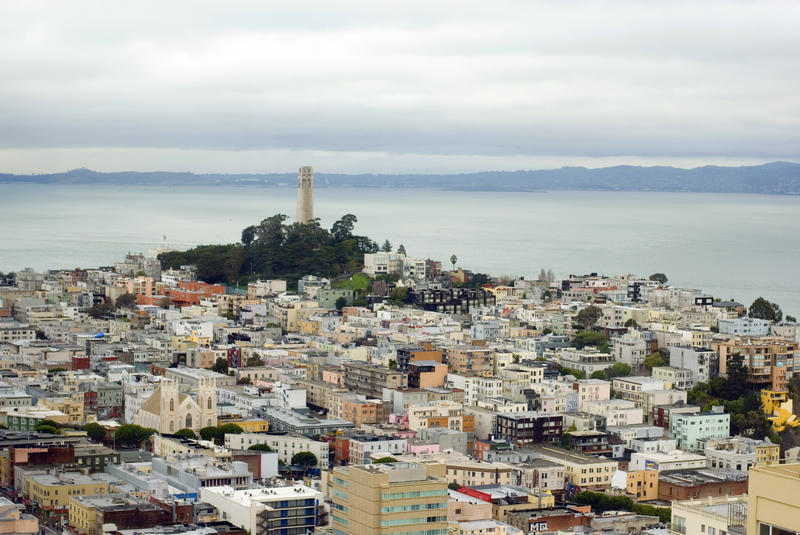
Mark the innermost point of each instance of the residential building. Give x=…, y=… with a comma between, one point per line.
x=700, y=483
x=290, y=510
x=530, y=427
x=739, y=453
x=364, y=447
x=773, y=501
x=89, y=514
x=673, y=460
x=284, y=444
x=409, y=354
x=52, y=492
x=761, y=356
x=470, y=360
x=702, y=362
x=15, y=522
x=616, y=412
x=389, y=498
x=689, y=429
x=680, y=378
x=371, y=379
x=289, y=421
x=446, y=414
x=744, y=326
x=642, y=485
x=632, y=388
x=720, y=515
x=582, y=471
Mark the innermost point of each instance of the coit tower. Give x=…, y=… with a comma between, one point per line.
x=305, y=194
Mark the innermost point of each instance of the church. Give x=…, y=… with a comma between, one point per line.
x=169, y=410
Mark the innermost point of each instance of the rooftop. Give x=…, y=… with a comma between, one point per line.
x=250, y=497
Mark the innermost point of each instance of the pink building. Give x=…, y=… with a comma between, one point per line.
x=591, y=390
x=420, y=447
x=332, y=376
x=137, y=285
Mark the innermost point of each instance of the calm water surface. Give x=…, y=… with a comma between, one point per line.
x=739, y=246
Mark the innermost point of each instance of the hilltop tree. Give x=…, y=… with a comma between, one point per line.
x=401, y=249
x=384, y=460
x=588, y=316
x=653, y=360
x=260, y=447
x=386, y=247
x=132, y=435
x=341, y=302
x=589, y=338
x=659, y=278
x=737, y=375
x=764, y=310
x=220, y=366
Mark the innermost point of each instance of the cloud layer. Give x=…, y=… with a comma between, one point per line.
x=378, y=86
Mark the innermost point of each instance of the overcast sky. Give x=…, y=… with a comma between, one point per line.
x=371, y=86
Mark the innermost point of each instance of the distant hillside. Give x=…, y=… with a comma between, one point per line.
x=778, y=178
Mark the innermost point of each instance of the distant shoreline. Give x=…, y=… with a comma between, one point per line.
x=777, y=178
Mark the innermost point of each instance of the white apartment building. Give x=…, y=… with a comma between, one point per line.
x=617, y=412
x=744, y=327
x=703, y=362
x=631, y=388
x=630, y=348
x=285, y=445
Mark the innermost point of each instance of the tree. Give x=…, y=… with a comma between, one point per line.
x=101, y=310
x=186, y=433
x=737, y=376
x=386, y=247
x=220, y=366
x=599, y=374
x=453, y=486
x=126, y=300
x=260, y=447
x=588, y=338
x=631, y=323
x=49, y=429
x=399, y=295
x=791, y=319
x=392, y=364
x=343, y=229
x=227, y=429
x=49, y=423
x=654, y=360
x=255, y=360
x=209, y=433
x=578, y=374
x=132, y=435
x=341, y=302
x=384, y=460
x=620, y=369
x=304, y=459
x=379, y=287
x=401, y=249
x=658, y=277
x=453, y=260
x=764, y=310
x=95, y=431
x=588, y=316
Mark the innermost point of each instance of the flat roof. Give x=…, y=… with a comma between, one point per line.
x=248, y=497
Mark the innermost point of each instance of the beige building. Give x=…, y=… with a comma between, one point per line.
x=471, y=360
x=773, y=503
x=387, y=499
x=52, y=492
x=447, y=414
x=13, y=521
x=72, y=406
x=721, y=515
x=589, y=473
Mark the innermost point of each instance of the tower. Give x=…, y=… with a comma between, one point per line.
x=305, y=194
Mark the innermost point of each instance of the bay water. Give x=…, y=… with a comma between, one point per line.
x=730, y=245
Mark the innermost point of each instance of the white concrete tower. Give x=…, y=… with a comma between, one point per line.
x=305, y=194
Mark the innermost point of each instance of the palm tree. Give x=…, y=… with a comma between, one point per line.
x=453, y=260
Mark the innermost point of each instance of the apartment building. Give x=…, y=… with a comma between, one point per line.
x=286, y=445
x=680, y=378
x=470, y=360
x=291, y=510
x=371, y=379
x=702, y=362
x=583, y=471
x=721, y=515
x=88, y=514
x=630, y=348
x=447, y=414
x=632, y=388
x=739, y=453
x=617, y=412
x=398, y=498
x=530, y=427
x=363, y=447
x=591, y=390
x=773, y=499
x=52, y=492
x=689, y=430
x=761, y=356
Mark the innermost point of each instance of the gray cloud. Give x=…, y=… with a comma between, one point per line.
x=387, y=87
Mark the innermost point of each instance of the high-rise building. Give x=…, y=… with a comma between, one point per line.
x=305, y=194
x=773, y=499
x=389, y=498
